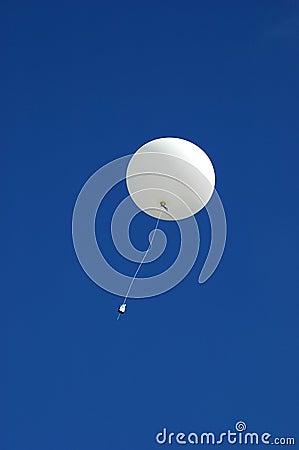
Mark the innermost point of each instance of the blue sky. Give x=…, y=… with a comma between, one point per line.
x=81, y=85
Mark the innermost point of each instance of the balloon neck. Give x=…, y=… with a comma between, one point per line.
x=163, y=204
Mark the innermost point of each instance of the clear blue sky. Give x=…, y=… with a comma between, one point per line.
x=83, y=83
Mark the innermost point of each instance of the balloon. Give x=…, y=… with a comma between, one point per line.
x=171, y=173
x=170, y=179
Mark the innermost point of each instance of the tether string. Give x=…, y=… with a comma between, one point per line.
x=142, y=261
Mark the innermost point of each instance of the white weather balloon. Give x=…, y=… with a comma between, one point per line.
x=167, y=178
x=173, y=173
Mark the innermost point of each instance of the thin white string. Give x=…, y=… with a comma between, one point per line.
x=144, y=256
x=141, y=262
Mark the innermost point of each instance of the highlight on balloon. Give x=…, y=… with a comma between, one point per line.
x=169, y=179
